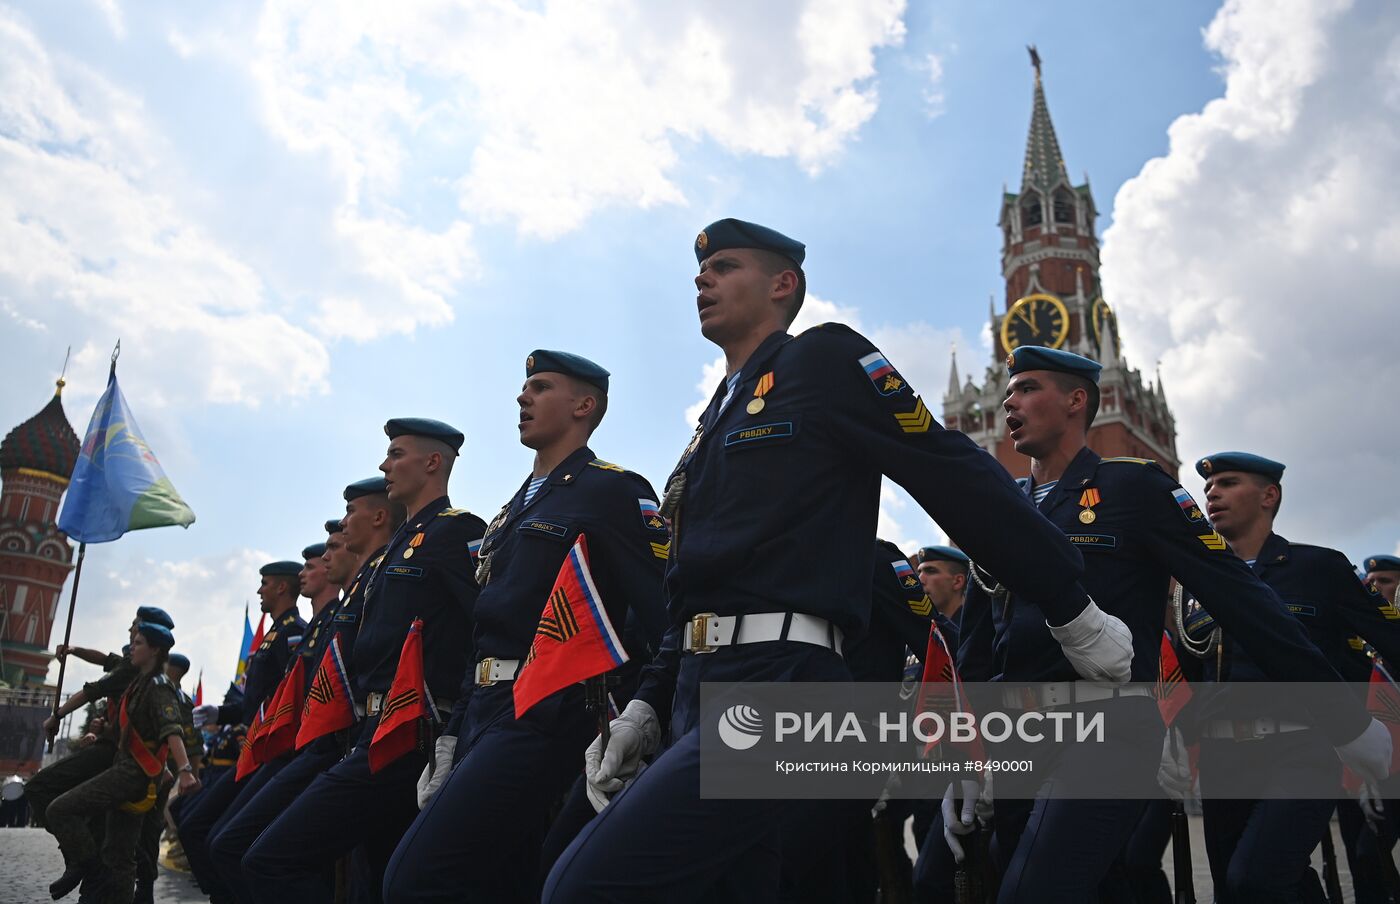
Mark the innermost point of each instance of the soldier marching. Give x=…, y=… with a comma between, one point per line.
x=386, y=754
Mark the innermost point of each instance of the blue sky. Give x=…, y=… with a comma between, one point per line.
x=302, y=219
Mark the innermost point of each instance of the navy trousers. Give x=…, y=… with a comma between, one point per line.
x=478, y=841
x=1056, y=847
x=260, y=804
x=1259, y=849
x=196, y=827
x=345, y=806
x=658, y=840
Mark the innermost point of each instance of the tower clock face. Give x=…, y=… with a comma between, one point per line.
x=1035, y=320
x=1103, y=319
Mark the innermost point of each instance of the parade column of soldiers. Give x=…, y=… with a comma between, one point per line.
x=755, y=565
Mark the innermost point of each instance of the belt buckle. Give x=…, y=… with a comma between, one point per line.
x=700, y=632
x=1245, y=729
x=483, y=672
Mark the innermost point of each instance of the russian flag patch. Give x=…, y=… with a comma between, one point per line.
x=882, y=374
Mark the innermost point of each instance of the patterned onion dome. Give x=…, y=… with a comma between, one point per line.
x=46, y=442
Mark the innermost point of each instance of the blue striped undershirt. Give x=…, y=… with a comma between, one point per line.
x=535, y=484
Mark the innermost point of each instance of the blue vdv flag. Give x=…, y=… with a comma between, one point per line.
x=117, y=484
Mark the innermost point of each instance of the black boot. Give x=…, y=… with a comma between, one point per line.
x=72, y=877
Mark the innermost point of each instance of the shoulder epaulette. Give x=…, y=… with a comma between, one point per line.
x=829, y=327
x=1129, y=459
x=606, y=466
x=452, y=513
x=160, y=678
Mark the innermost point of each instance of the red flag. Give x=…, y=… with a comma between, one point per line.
x=941, y=693
x=404, y=707
x=1172, y=691
x=329, y=706
x=247, y=756
x=257, y=637
x=1383, y=702
x=283, y=715
x=574, y=641
x=199, y=690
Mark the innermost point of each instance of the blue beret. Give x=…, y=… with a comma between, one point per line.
x=1383, y=563
x=544, y=360
x=1240, y=461
x=425, y=426
x=314, y=551
x=942, y=553
x=155, y=616
x=1038, y=357
x=369, y=486
x=335, y=525
x=180, y=661
x=731, y=233
x=156, y=635
x=281, y=569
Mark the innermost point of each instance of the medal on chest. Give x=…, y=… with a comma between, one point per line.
x=1088, y=499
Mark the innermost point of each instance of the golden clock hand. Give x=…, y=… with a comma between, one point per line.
x=1034, y=329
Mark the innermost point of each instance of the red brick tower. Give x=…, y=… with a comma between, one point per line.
x=36, y=459
x=1050, y=261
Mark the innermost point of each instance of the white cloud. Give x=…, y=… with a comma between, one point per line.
x=113, y=14
x=934, y=98
x=205, y=598
x=90, y=238
x=1258, y=259
x=560, y=108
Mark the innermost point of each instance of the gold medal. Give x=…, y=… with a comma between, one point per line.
x=408, y=553
x=1087, y=516
x=755, y=406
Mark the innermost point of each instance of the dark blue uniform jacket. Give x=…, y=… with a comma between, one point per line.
x=427, y=572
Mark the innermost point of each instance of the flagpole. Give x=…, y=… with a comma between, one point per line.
x=68, y=633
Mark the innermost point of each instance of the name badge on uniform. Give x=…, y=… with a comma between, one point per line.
x=404, y=571
x=760, y=433
x=1093, y=541
x=535, y=525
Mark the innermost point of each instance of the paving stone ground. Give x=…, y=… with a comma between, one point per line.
x=29, y=861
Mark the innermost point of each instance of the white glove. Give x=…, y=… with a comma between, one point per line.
x=959, y=821
x=205, y=714
x=1372, y=806
x=892, y=784
x=1098, y=645
x=600, y=799
x=1368, y=754
x=1174, y=772
x=983, y=809
x=436, y=772
x=634, y=734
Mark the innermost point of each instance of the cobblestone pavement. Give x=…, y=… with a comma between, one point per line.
x=29, y=861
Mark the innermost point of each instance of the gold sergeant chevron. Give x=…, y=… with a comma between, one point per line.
x=916, y=421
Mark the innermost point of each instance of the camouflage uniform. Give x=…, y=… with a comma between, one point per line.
x=148, y=850
x=123, y=793
x=87, y=762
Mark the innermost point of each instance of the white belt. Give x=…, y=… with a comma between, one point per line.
x=1067, y=693
x=491, y=670
x=1248, y=729
x=708, y=631
x=375, y=702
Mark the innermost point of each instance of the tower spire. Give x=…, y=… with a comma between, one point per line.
x=1044, y=167
x=954, y=388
